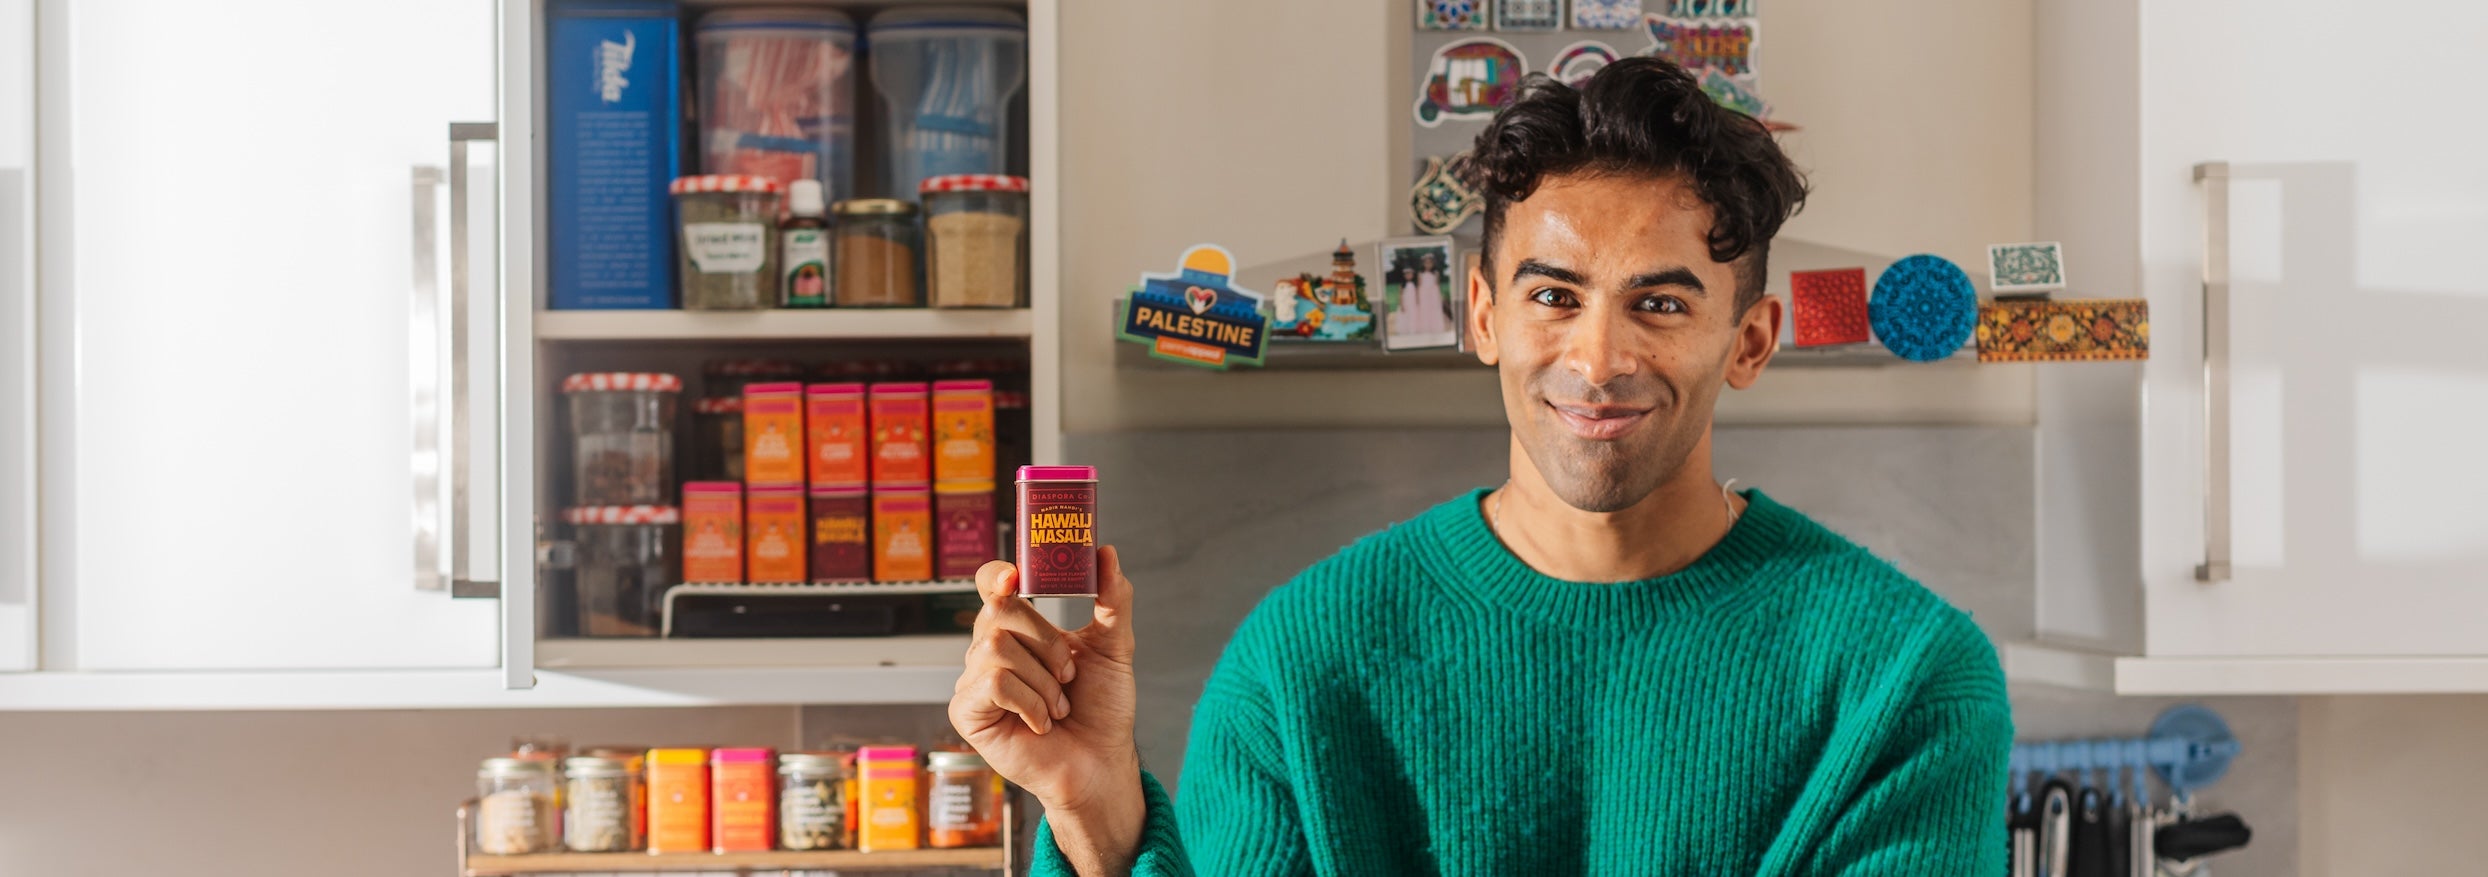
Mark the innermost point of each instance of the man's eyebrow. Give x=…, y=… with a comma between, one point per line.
x=1535, y=268
x=1680, y=277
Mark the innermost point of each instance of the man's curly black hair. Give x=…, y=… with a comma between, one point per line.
x=1643, y=117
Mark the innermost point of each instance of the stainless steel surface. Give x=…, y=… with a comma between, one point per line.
x=2214, y=178
x=464, y=581
x=424, y=368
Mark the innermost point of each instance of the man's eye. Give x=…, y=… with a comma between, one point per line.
x=1553, y=298
x=1661, y=304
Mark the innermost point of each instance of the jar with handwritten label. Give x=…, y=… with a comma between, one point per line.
x=728, y=241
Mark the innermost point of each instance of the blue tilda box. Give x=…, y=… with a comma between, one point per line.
x=613, y=107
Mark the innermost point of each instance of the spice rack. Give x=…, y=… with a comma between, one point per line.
x=998, y=859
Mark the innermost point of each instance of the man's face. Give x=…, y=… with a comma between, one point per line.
x=1613, y=331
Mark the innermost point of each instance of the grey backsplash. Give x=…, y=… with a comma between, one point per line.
x=1210, y=521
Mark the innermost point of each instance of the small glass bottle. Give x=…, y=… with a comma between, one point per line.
x=803, y=248
x=514, y=806
x=812, y=801
x=963, y=804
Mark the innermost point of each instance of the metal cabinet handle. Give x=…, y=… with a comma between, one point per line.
x=2214, y=177
x=434, y=525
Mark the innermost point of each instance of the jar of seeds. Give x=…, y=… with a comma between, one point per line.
x=514, y=806
x=812, y=801
x=599, y=798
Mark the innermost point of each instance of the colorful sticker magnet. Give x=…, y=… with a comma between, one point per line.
x=1695, y=43
x=1451, y=14
x=2032, y=267
x=1830, y=305
x=1440, y=201
x=1529, y=15
x=1606, y=14
x=2059, y=331
x=1332, y=307
x=1422, y=306
x=1726, y=91
x=1713, y=8
x=1924, y=308
x=1469, y=79
x=1195, y=315
x=1579, y=61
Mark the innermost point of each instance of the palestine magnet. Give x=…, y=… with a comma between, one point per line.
x=1605, y=14
x=1451, y=14
x=1469, y=79
x=1196, y=314
x=1924, y=308
x=1579, y=61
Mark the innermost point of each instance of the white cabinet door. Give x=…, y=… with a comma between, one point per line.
x=257, y=196
x=17, y=335
x=2357, y=329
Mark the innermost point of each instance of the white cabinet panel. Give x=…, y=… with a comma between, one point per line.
x=2359, y=391
x=244, y=248
x=17, y=334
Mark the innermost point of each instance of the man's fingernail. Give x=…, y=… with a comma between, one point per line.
x=1071, y=668
x=1062, y=705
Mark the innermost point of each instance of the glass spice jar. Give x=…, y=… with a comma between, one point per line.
x=976, y=240
x=963, y=803
x=876, y=254
x=600, y=803
x=812, y=801
x=627, y=557
x=728, y=241
x=514, y=806
x=622, y=437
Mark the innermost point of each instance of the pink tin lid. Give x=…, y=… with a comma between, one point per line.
x=850, y=388
x=739, y=756
x=1057, y=473
x=789, y=388
x=886, y=753
x=898, y=388
x=974, y=386
x=732, y=487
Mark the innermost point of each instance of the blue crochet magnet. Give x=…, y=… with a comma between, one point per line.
x=1924, y=308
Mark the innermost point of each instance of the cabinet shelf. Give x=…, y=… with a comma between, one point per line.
x=929, y=650
x=783, y=325
x=644, y=863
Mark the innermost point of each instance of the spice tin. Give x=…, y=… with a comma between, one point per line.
x=743, y=817
x=963, y=517
x=677, y=800
x=712, y=533
x=888, y=790
x=773, y=448
x=902, y=533
x=1057, y=530
x=963, y=431
x=834, y=425
x=842, y=548
x=776, y=534
x=899, y=426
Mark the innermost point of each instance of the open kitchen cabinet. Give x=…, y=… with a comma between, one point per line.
x=2286, y=498
x=299, y=440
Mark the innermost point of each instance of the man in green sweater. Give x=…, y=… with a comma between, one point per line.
x=1610, y=664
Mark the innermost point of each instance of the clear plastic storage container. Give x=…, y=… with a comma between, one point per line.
x=777, y=95
x=946, y=76
x=622, y=437
x=627, y=557
x=976, y=240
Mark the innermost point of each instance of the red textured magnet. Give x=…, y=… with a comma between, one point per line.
x=1831, y=306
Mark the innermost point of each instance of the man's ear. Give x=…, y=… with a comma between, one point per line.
x=1481, y=323
x=1757, y=338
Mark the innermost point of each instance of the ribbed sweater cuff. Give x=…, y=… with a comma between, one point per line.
x=1161, y=845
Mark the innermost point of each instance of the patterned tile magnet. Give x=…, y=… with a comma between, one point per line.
x=2034, y=267
x=1713, y=8
x=2058, y=331
x=1924, y=308
x=1469, y=79
x=1579, y=61
x=1831, y=306
x=1695, y=43
x=1451, y=14
x=1536, y=15
x=1441, y=201
x=1606, y=14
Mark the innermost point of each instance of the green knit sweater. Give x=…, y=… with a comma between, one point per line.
x=1424, y=702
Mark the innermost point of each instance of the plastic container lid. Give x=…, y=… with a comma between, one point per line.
x=725, y=183
x=1057, y=473
x=803, y=198
x=622, y=514
x=973, y=183
x=873, y=207
x=812, y=762
x=774, y=18
x=597, y=382
x=945, y=21
x=595, y=765
x=947, y=760
x=515, y=766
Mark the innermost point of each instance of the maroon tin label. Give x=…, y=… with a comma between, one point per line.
x=1058, y=538
x=966, y=539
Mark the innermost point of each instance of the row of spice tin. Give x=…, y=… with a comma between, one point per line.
x=791, y=534
x=681, y=800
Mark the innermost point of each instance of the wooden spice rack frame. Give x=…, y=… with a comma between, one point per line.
x=998, y=859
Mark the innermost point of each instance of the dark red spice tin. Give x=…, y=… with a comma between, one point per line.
x=1057, y=531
